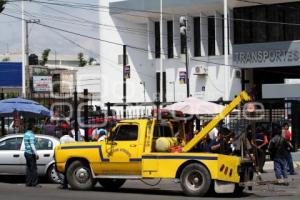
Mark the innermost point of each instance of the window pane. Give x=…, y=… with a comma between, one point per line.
x=11, y=144
x=157, y=40
x=162, y=131
x=125, y=133
x=211, y=36
x=170, y=39
x=197, y=49
x=43, y=144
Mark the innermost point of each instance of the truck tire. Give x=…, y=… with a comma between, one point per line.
x=195, y=180
x=79, y=176
x=111, y=184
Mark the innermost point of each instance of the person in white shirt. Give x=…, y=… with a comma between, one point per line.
x=67, y=138
x=80, y=135
x=100, y=135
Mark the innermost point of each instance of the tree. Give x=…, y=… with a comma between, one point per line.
x=91, y=60
x=2, y=3
x=82, y=61
x=6, y=59
x=45, y=56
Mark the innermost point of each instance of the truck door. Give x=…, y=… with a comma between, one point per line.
x=123, y=150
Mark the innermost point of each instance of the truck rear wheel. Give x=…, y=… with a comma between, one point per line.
x=79, y=176
x=195, y=180
x=111, y=184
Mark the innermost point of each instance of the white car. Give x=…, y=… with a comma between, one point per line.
x=13, y=162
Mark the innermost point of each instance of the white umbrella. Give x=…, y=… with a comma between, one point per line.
x=195, y=106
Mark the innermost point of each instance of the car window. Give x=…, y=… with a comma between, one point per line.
x=125, y=133
x=162, y=131
x=11, y=144
x=43, y=144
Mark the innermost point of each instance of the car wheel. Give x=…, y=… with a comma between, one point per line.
x=195, y=180
x=53, y=175
x=79, y=176
x=111, y=184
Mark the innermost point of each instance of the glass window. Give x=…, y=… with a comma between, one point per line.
x=157, y=39
x=43, y=144
x=211, y=36
x=125, y=133
x=197, y=44
x=11, y=144
x=170, y=39
x=162, y=131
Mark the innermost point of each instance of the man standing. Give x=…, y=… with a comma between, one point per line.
x=260, y=142
x=31, y=157
x=286, y=133
x=278, y=152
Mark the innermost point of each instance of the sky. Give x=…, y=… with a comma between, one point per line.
x=79, y=20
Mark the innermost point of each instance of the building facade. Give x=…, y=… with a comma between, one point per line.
x=262, y=44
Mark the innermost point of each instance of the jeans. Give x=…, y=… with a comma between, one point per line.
x=260, y=159
x=31, y=170
x=280, y=168
x=290, y=164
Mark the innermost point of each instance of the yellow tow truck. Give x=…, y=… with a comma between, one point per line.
x=131, y=152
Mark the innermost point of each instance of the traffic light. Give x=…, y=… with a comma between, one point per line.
x=183, y=25
x=2, y=3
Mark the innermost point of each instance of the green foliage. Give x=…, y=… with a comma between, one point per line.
x=6, y=59
x=82, y=61
x=45, y=56
x=2, y=3
x=91, y=60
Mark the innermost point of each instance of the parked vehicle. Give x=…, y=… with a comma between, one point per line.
x=149, y=149
x=13, y=162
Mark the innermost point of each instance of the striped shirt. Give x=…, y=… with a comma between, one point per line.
x=29, y=141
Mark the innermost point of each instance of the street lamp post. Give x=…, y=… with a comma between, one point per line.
x=144, y=85
x=173, y=83
x=183, y=30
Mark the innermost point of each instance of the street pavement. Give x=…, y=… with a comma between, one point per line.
x=12, y=188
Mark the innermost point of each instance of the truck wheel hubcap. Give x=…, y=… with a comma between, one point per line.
x=194, y=180
x=82, y=175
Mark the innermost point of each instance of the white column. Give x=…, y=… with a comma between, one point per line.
x=226, y=61
x=231, y=30
x=161, y=50
x=219, y=34
x=204, y=34
x=190, y=36
x=151, y=38
x=164, y=41
x=176, y=36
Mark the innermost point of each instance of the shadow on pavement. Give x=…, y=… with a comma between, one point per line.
x=19, y=179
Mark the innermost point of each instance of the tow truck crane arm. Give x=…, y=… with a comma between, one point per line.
x=243, y=96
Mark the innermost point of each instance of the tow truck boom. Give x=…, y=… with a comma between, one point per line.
x=243, y=96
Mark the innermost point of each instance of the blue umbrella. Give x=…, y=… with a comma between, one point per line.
x=24, y=107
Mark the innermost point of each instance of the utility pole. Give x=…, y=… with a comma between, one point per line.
x=183, y=31
x=25, y=57
x=2, y=118
x=75, y=108
x=86, y=114
x=124, y=80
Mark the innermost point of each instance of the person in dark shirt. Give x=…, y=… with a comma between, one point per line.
x=260, y=142
x=278, y=149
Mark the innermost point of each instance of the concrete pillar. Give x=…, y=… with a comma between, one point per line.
x=219, y=34
x=176, y=36
x=204, y=34
x=151, y=38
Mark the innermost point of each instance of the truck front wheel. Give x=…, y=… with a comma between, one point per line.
x=111, y=184
x=79, y=176
x=195, y=180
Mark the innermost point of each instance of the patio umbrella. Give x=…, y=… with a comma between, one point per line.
x=24, y=107
x=195, y=106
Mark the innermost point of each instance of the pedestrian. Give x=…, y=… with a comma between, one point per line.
x=260, y=142
x=66, y=138
x=278, y=149
x=287, y=135
x=100, y=135
x=31, y=156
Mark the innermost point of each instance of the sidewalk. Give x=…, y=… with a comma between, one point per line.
x=296, y=158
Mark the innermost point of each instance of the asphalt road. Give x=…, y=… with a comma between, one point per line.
x=12, y=188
